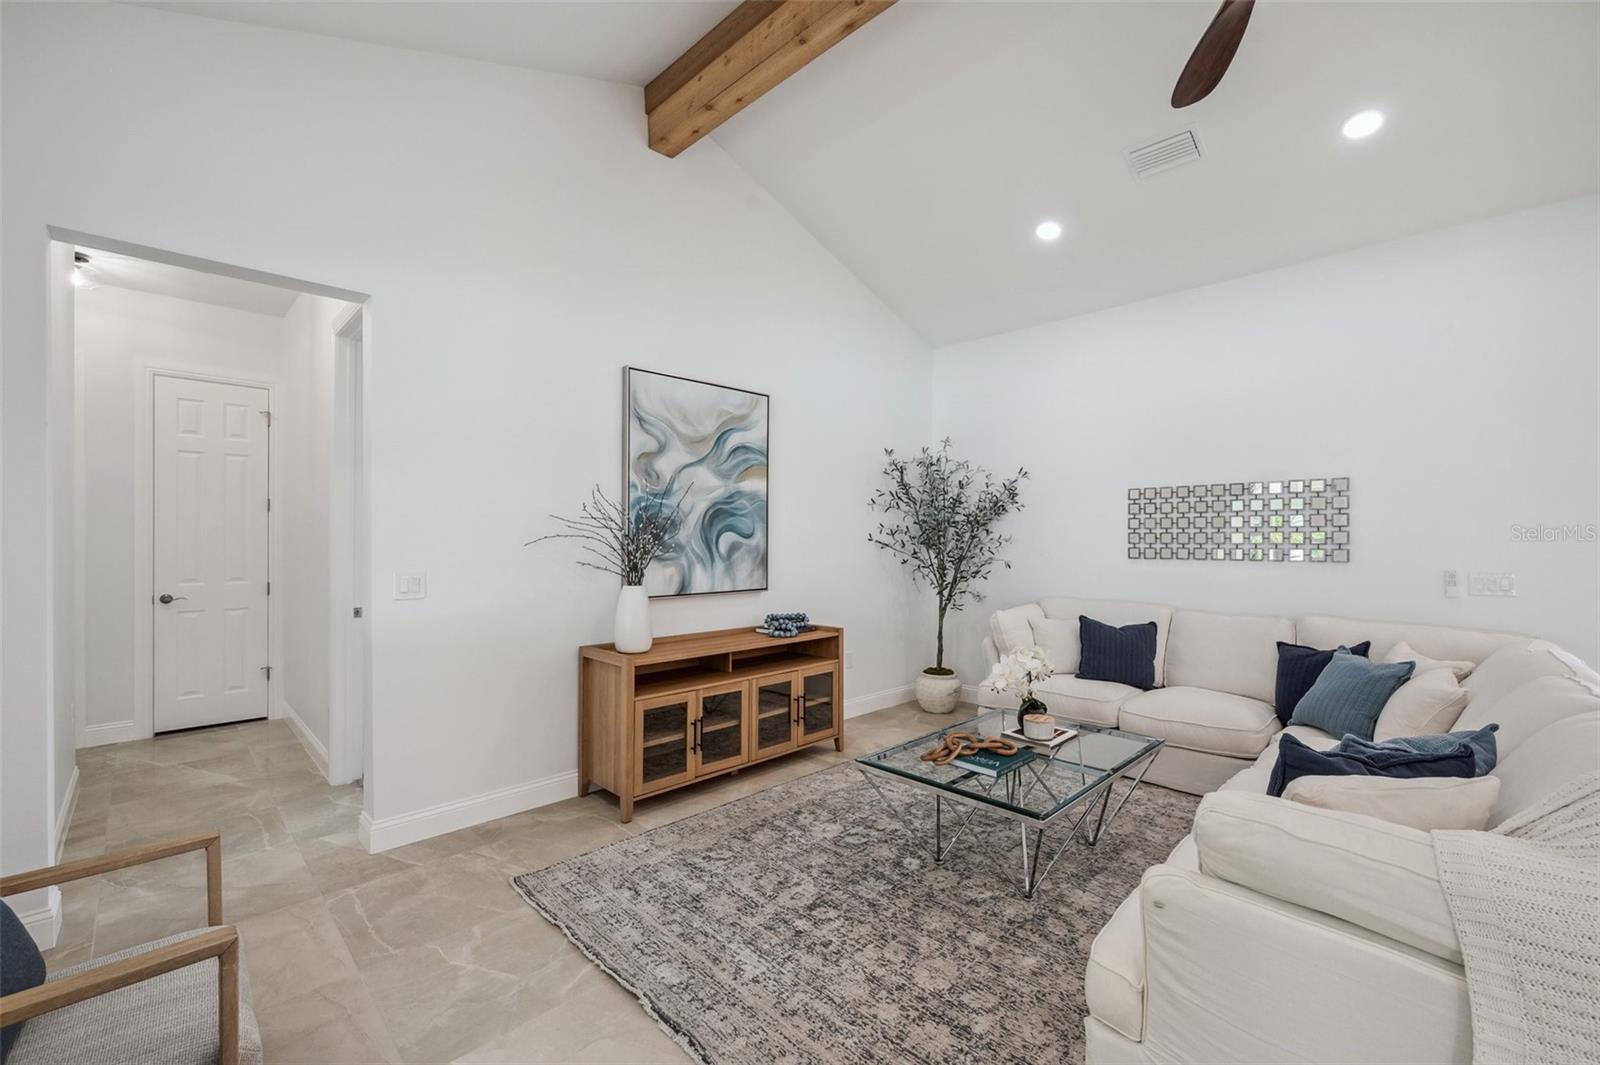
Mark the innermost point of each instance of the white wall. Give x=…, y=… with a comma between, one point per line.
x=304, y=441
x=122, y=335
x=520, y=245
x=1451, y=376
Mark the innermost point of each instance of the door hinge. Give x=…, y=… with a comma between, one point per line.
x=269, y=504
x=268, y=415
x=269, y=587
x=268, y=671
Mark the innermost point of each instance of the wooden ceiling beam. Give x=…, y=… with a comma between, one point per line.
x=758, y=45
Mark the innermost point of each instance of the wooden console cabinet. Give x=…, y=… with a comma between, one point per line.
x=703, y=704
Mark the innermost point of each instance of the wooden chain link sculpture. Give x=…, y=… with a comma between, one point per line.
x=960, y=744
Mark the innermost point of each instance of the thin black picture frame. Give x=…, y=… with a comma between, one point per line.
x=627, y=449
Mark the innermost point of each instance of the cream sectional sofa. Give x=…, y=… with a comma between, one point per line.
x=1215, y=675
x=1278, y=932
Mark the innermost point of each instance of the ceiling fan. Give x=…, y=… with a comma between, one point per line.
x=1211, y=56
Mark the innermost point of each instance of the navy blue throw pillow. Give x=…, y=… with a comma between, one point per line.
x=21, y=967
x=1299, y=667
x=1296, y=760
x=1485, y=751
x=1125, y=656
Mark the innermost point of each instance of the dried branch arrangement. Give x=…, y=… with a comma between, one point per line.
x=621, y=540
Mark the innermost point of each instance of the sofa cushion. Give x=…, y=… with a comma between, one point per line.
x=1113, y=981
x=1236, y=653
x=1377, y=875
x=1435, y=641
x=1116, y=612
x=1507, y=670
x=1013, y=628
x=1093, y=702
x=1403, y=652
x=1058, y=638
x=1548, y=760
x=171, y=1018
x=1202, y=720
x=1125, y=654
x=1428, y=803
x=1425, y=704
x=1350, y=694
x=1530, y=708
x=1299, y=667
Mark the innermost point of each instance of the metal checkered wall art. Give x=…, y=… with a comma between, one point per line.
x=1303, y=520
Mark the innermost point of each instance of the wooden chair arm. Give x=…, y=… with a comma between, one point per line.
x=210, y=842
x=221, y=943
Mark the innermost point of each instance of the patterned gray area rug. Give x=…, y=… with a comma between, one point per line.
x=804, y=924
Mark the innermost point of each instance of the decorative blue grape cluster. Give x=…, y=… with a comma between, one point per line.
x=786, y=624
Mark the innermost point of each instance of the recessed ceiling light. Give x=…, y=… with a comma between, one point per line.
x=1362, y=124
x=1048, y=230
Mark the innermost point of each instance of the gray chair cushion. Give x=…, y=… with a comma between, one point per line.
x=170, y=1019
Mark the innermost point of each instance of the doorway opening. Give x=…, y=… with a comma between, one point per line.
x=218, y=473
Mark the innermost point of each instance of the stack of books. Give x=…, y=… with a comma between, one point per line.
x=993, y=764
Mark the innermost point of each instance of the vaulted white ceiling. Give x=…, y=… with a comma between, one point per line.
x=924, y=149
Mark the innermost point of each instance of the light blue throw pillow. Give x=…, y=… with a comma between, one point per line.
x=1349, y=695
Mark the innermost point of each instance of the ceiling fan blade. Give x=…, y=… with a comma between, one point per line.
x=1211, y=56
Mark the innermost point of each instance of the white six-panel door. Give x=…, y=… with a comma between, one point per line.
x=210, y=544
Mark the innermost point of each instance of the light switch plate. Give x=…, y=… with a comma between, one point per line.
x=1496, y=584
x=411, y=586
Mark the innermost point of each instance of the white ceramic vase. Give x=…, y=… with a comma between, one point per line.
x=938, y=694
x=632, y=633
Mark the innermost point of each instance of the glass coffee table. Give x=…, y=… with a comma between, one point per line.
x=1067, y=789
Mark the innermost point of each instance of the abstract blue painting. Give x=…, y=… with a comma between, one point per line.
x=706, y=446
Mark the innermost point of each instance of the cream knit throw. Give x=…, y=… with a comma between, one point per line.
x=1525, y=899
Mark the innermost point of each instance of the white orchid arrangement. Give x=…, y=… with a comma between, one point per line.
x=1018, y=672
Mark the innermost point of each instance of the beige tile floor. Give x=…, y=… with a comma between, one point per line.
x=420, y=954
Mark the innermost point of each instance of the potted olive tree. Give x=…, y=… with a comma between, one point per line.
x=940, y=518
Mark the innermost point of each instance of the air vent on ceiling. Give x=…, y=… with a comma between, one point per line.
x=1164, y=154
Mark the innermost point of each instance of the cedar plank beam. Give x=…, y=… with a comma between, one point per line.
x=758, y=45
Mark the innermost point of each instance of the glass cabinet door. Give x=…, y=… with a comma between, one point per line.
x=665, y=731
x=819, y=710
x=775, y=714
x=721, y=732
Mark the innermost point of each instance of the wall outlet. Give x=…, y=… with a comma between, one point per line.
x=1452, y=584
x=1499, y=584
x=849, y=660
x=411, y=586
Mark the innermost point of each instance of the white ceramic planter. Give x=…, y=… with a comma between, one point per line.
x=938, y=695
x=632, y=631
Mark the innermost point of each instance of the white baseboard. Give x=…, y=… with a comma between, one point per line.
x=389, y=832
x=308, y=739
x=44, y=922
x=866, y=704
x=64, y=815
x=111, y=732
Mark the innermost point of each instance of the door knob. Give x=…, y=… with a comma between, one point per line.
x=165, y=598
